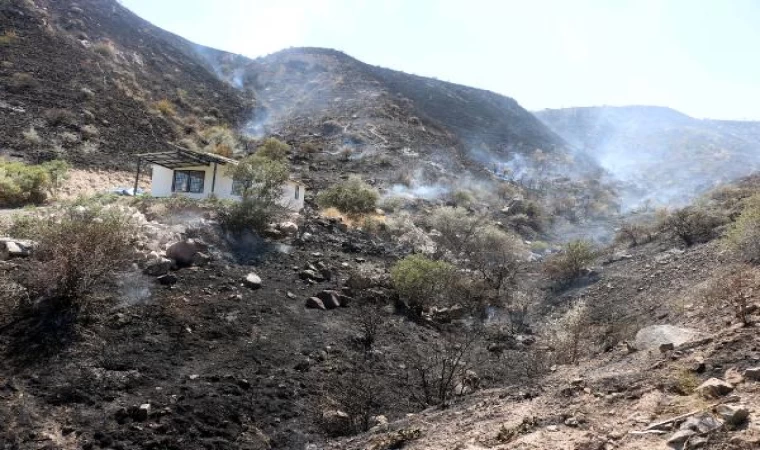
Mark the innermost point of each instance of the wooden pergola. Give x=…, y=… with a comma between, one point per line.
x=179, y=158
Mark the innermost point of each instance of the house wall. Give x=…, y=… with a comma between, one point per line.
x=163, y=178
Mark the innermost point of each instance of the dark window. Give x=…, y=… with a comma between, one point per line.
x=189, y=181
x=238, y=186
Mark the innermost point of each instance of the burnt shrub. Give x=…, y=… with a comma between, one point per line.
x=693, y=225
x=60, y=117
x=352, y=197
x=77, y=250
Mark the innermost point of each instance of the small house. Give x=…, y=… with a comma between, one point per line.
x=198, y=175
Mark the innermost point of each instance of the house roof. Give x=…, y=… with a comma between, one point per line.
x=176, y=159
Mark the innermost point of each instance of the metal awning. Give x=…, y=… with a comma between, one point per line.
x=176, y=159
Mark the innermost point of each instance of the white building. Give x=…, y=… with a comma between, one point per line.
x=202, y=175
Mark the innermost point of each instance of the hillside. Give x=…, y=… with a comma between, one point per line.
x=90, y=82
x=666, y=157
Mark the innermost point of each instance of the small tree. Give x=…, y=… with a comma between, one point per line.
x=570, y=264
x=457, y=227
x=260, y=180
x=495, y=254
x=735, y=289
x=273, y=149
x=353, y=197
x=421, y=281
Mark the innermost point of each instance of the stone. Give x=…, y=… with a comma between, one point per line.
x=183, y=252
x=158, y=267
x=336, y=422
x=288, y=228
x=752, y=373
x=329, y=299
x=732, y=415
x=140, y=413
x=201, y=259
x=703, y=423
x=315, y=303
x=309, y=274
x=252, y=280
x=17, y=249
x=679, y=438
x=669, y=347
x=654, y=336
x=168, y=279
x=290, y=295
x=714, y=388
x=378, y=423
x=733, y=376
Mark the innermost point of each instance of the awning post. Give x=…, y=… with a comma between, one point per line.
x=137, y=177
x=213, y=180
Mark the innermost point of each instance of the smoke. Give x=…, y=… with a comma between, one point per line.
x=133, y=288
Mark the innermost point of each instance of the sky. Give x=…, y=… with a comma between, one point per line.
x=697, y=56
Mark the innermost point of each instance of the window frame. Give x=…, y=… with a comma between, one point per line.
x=188, y=185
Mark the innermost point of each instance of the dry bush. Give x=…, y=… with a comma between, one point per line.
x=571, y=263
x=105, y=49
x=8, y=37
x=495, y=254
x=89, y=131
x=220, y=140
x=69, y=139
x=31, y=137
x=456, y=228
x=634, y=234
x=435, y=371
x=735, y=288
x=568, y=334
x=166, y=107
x=77, y=250
x=743, y=236
x=22, y=82
x=693, y=225
x=352, y=197
x=60, y=117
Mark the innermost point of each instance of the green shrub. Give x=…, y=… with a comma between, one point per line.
x=260, y=182
x=77, y=250
x=273, y=149
x=352, y=197
x=743, y=236
x=421, y=281
x=22, y=184
x=571, y=263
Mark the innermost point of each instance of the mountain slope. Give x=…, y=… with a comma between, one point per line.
x=87, y=77
x=665, y=155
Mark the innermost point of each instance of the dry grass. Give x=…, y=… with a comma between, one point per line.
x=166, y=108
x=362, y=221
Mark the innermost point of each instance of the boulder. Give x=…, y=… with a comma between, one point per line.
x=289, y=228
x=18, y=249
x=336, y=422
x=315, y=303
x=714, y=388
x=752, y=373
x=652, y=337
x=732, y=415
x=201, y=259
x=679, y=438
x=309, y=274
x=252, y=280
x=329, y=299
x=158, y=267
x=183, y=252
x=702, y=424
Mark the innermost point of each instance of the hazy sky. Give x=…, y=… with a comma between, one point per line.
x=697, y=56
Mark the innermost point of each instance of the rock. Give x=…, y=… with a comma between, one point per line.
x=309, y=274
x=329, y=299
x=669, y=347
x=168, y=279
x=252, y=280
x=732, y=415
x=714, y=388
x=315, y=303
x=18, y=249
x=140, y=413
x=378, y=423
x=752, y=374
x=336, y=422
x=158, y=267
x=703, y=423
x=183, y=252
x=680, y=438
x=733, y=376
x=359, y=282
x=290, y=295
x=654, y=336
x=345, y=300
x=288, y=228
